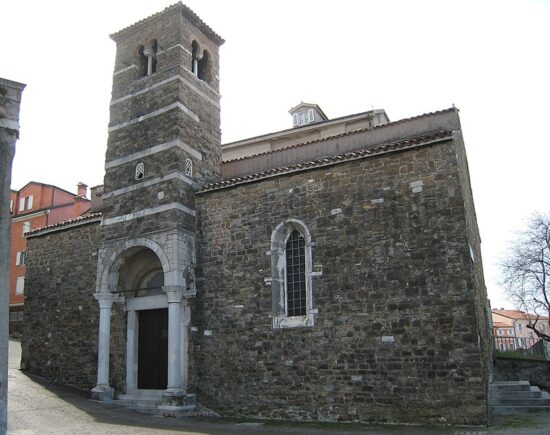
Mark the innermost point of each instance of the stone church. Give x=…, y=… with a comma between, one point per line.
x=331, y=271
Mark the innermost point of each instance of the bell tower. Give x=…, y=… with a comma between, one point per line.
x=164, y=143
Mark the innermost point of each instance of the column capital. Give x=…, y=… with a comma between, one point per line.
x=173, y=292
x=105, y=299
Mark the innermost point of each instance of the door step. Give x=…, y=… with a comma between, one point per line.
x=156, y=404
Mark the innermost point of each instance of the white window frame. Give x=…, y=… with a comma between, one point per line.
x=26, y=227
x=303, y=117
x=25, y=203
x=499, y=332
x=20, y=285
x=21, y=258
x=279, y=314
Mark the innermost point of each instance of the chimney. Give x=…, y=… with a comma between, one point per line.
x=81, y=189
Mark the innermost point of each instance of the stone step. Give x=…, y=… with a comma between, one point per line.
x=498, y=409
x=156, y=404
x=137, y=403
x=513, y=401
x=517, y=395
x=510, y=386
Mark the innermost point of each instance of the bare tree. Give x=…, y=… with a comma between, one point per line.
x=526, y=271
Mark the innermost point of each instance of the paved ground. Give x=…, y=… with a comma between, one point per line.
x=36, y=407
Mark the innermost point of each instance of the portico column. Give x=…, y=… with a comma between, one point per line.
x=102, y=391
x=174, y=295
x=185, y=320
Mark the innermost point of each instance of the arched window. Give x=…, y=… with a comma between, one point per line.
x=200, y=62
x=188, y=167
x=291, y=273
x=147, y=58
x=142, y=61
x=151, y=53
x=204, y=67
x=295, y=274
x=195, y=50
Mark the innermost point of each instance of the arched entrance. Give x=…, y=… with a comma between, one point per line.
x=153, y=289
x=141, y=280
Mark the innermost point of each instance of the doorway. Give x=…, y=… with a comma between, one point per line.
x=153, y=349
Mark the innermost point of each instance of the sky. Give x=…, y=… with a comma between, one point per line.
x=488, y=58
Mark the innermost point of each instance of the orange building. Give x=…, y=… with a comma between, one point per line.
x=510, y=328
x=34, y=206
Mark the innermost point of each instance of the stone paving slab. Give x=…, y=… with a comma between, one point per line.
x=37, y=407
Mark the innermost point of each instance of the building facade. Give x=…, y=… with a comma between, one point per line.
x=303, y=274
x=36, y=205
x=511, y=332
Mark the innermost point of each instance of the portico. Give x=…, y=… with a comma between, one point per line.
x=154, y=297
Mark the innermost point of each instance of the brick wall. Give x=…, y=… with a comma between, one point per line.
x=396, y=337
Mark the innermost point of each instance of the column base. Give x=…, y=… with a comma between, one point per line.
x=174, y=397
x=103, y=393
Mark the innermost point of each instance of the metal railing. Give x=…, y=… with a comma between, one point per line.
x=521, y=347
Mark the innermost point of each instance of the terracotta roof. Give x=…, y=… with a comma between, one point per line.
x=84, y=219
x=518, y=314
x=501, y=325
x=360, y=154
x=192, y=16
x=362, y=130
x=46, y=185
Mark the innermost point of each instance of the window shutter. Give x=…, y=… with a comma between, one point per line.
x=21, y=204
x=30, y=203
x=18, y=259
x=20, y=285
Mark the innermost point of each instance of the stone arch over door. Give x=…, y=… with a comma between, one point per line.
x=112, y=259
x=126, y=271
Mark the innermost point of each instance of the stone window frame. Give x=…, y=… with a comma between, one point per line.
x=201, y=62
x=139, y=171
x=147, y=58
x=279, y=314
x=188, y=167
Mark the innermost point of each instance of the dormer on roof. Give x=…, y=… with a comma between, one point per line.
x=306, y=113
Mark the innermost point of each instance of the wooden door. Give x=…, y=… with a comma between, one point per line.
x=153, y=349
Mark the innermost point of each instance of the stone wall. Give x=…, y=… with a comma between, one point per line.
x=396, y=336
x=536, y=372
x=483, y=310
x=61, y=315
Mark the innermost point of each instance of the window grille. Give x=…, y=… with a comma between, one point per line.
x=188, y=167
x=295, y=275
x=140, y=171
